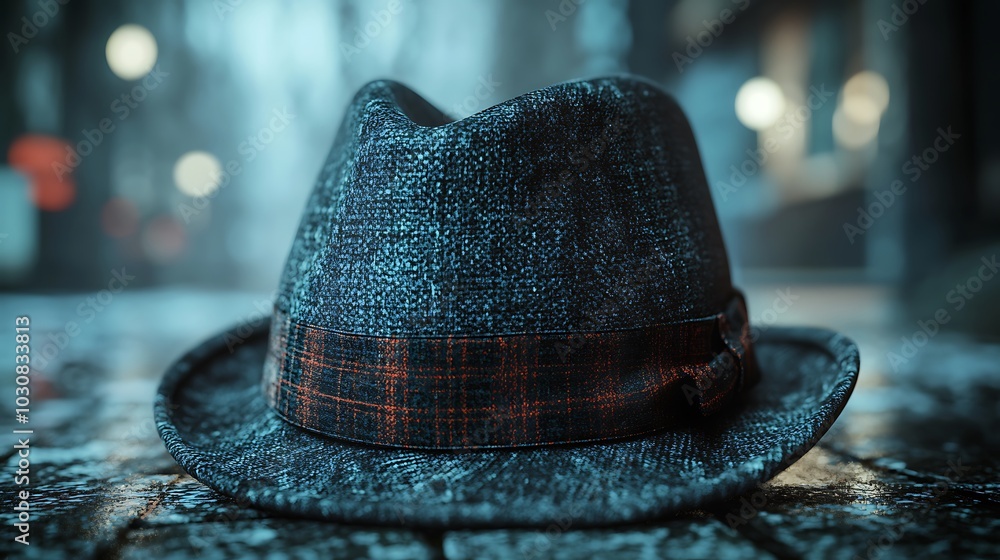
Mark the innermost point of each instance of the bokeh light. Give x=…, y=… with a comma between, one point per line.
x=119, y=218
x=759, y=103
x=865, y=97
x=163, y=239
x=197, y=173
x=852, y=134
x=131, y=51
x=36, y=156
x=35, y=152
x=18, y=224
x=51, y=193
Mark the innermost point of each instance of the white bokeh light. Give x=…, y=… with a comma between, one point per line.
x=131, y=51
x=759, y=103
x=197, y=173
x=865, y=97
x=852, y=134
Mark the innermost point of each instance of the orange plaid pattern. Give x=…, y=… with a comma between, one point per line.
x=505, y=391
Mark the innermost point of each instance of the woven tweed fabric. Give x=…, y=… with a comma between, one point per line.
x=582, y=206
x=578, y=209
x=215, y=421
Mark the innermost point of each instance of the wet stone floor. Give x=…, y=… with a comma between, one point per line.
x=909, y=470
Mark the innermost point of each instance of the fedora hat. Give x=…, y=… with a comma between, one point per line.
x=518, y=318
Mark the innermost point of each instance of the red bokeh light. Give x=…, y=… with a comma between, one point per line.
x=37, y=156
x=119, y=218
x=164, y=239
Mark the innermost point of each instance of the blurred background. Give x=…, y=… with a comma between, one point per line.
x=846, y=142
x=156, y=157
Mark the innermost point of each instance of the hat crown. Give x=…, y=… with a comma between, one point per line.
x=549, y=270
x=579, y=207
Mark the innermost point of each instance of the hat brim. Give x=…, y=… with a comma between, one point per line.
x=211, y=414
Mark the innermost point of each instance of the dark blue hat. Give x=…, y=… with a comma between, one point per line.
x=515, y=318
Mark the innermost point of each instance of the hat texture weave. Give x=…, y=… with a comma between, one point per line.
x=521, y=316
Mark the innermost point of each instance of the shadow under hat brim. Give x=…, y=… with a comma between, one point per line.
x=211, y=414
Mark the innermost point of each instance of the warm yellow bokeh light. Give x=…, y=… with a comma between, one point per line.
x=852, y=134
x=865, y=97
x=131, y=51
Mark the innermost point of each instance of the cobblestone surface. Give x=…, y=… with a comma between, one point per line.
x=909, y=470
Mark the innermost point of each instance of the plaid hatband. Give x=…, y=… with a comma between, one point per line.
x=506, y=391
